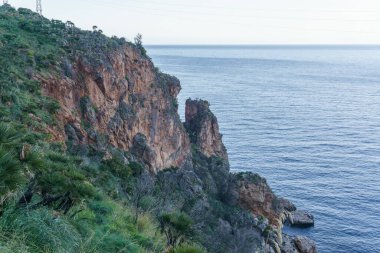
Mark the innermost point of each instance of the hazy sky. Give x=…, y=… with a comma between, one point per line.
x=224, y=21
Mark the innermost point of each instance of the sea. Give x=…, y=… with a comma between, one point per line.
x=307, y=118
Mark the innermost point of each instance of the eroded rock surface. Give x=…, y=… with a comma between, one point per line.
x=253, y=193
x=112, y=103
x=203, y=129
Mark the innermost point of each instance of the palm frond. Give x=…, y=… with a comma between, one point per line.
x=8, y=135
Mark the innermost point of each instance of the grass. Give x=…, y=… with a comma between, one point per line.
x=104, y=226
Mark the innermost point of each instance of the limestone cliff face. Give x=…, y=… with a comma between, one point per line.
x=203, y=129
x=124, y=102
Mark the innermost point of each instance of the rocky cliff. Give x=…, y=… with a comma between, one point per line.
x=91, y=139
x=124, y=102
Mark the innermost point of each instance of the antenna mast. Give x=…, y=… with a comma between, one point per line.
x=38, y=7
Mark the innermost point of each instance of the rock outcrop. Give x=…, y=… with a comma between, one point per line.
x=253, y=193
x=298, y=244
x=305, y=245
x=119, y=102
x=301, y=219
x=203, y=129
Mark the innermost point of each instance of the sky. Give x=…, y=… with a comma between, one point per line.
x=224, y=21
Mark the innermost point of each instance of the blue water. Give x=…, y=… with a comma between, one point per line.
x=306, y=118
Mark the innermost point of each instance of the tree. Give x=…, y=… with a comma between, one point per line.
x=139, y=44
x=143, y=188
x=176, y=227
x=138, y=40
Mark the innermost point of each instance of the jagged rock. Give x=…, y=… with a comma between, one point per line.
x=288, y=206
x=203, y=129
x=197, y=189
x=288, y=245
x=215, y=178
x=298, y=244
x=305, y=245
x=254, y=194
x=301, y=219
x=117, y=99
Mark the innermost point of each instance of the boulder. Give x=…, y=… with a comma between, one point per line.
x=301, y=219
x=305, y=245
x=288, y=244
x=297, y=244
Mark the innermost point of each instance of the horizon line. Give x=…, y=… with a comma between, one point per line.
x=261, y=44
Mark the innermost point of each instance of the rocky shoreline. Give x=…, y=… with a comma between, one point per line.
x=247, y=190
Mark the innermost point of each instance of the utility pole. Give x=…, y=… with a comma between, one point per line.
x=39, y=7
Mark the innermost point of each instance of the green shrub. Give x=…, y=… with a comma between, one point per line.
x=176, y=227
x=136, y=168
x=10, y=174
x=117, y=167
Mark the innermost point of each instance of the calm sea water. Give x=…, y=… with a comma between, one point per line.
x=306, y=118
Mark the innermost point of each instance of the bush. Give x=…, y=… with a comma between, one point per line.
x=118, y=167
x=10, y=174
x=176, y=226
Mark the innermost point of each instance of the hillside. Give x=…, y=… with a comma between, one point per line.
x=94, y=156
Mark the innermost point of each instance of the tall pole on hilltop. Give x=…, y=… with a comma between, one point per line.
x=39, y=7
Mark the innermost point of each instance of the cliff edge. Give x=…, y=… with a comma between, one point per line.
x=119, y=102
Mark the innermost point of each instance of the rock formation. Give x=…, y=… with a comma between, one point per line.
x=117, y=102
x=203, y=129
x=298, y=244
x=301, y=219
x=129, y=105
x=254, y=194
